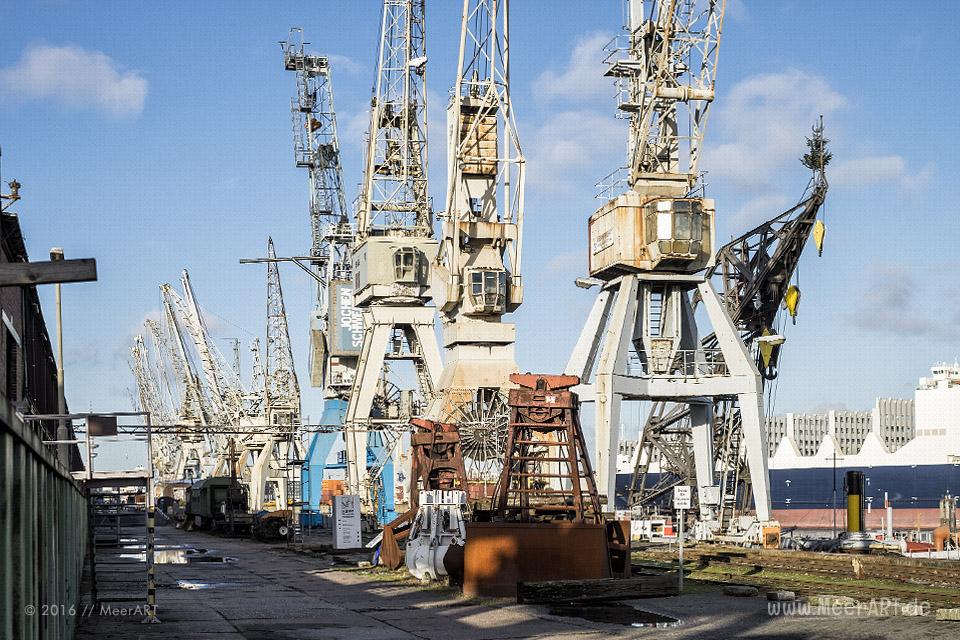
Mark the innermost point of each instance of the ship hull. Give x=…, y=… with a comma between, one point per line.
x=804, y=497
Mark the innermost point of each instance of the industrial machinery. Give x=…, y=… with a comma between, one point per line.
x=336, y=324
x=203, y=410
x=649, y=249
x=217, y=503
x=546, y=522
x=546, y=473
x=756, y=271
x=437, y=468
x=477, y=272
x=437, y=535
x=395, y=245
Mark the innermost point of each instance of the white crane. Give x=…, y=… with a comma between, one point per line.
x=395, y=240
x=479, y=260
x=150, y=398
x=649, y=249
x=336, y=329
x=198, y=444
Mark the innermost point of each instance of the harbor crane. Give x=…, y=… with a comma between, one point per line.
x=756, y=272
x=336, y=326
x=478, y=267
x=198, y=446
x=650, y=249
x=151, y=398
x=395, y=244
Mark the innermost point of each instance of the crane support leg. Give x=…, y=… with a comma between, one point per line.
x=755, y=441
x=613, y=360
x=585, y=350
x=741, y=365
x=380, y=323
x=701, y=423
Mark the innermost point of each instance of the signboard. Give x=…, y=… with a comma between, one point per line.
x=345, y=320
x=682, y=497
x=102, y=425
x=346, y=522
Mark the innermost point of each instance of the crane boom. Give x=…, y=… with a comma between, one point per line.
x=667, y=85
x=478, y=267
x=393, y=196
x=316, y=146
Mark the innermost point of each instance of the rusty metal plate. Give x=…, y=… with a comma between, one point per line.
x=498, y=555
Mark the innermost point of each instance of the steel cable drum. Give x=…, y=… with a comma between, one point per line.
x=482, y=423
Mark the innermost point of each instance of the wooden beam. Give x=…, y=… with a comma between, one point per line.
x=639, y=586
x=25, y=274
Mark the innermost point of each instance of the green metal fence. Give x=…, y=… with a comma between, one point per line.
x=43, y=537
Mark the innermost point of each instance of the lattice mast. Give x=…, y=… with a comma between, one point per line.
x=393, y=196
x=317, y=148
x=282, y=394
x=481, y=244
x=395, y=239
x=666, y=85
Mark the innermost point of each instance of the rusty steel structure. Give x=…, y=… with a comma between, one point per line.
x=437, y=458
x=546, y=472
x=437, y=464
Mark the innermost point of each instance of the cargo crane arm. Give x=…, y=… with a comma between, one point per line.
x=755, y=270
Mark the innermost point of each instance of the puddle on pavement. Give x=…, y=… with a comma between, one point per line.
x=615, y=613
x=191, y=585
x=179, y=556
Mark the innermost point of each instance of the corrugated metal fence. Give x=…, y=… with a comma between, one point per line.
x=43, y=537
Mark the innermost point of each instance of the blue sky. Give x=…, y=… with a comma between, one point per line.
x=156, y=136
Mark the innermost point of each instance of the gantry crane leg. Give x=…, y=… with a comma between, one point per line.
x=380, y=323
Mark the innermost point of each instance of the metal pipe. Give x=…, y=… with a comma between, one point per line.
x=63, y=450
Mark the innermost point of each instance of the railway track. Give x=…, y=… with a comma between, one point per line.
x=809, y=573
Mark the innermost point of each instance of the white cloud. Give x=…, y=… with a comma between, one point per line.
x=759, y=209
x=879, y=170
x=571, y=150
x=353, y=128
x=568, y=261
x=75, y=77
x=344, y=64
x=762, y=122
x=737, y=10
x=582, y=80
x=892, y=307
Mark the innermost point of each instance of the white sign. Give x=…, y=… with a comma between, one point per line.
x=682, y=497
x=346, y=522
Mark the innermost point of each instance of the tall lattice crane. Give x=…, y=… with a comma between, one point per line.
x=282, y=394
x=151, y=398
x=336, y=330
x=395, y=239
x=199, y=446
x=481, y=244
x=224, y=386
x=650, y=248
x=755, y=271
